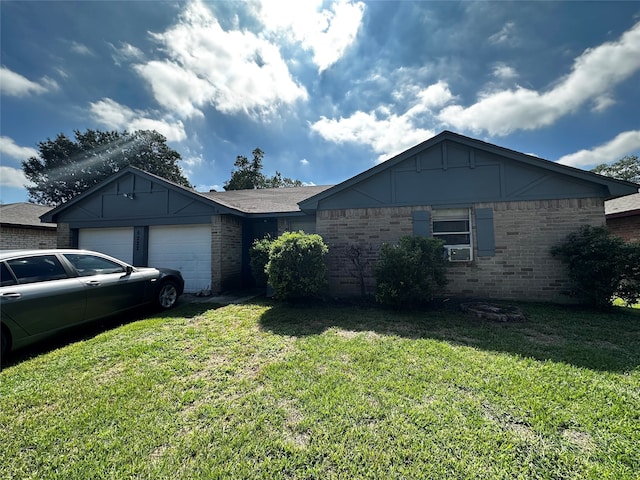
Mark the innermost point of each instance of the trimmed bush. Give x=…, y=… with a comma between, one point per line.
x=600, y=266
x=410, y=272
x=259, y=257
x=296, y=267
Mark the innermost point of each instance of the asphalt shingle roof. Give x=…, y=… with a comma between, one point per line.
x=24, y=214
x=628, y=204
x=265, y=200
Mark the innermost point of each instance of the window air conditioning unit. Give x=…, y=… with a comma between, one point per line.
x=458, y=254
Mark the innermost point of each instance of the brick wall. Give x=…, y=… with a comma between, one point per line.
x=65, y=237
x=522, y=267
x=226, y=252
x=12, y=238
x=628, y=228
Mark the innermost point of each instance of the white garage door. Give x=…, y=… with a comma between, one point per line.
x=186, y=248
x=117, y=242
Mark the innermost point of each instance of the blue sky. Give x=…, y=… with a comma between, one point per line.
x=325, y=89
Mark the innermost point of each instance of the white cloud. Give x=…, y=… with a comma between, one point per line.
x=387, y=136
x=595, y=73
x=120, y=117
x=236, y=71
x=16, y=85
x=125, y=53
x=502, y=71
x=506, y=35
x=304, y=162
x=326, y=32
x=9, y=148
x=12, y=177
x=385, y=132
x=80, y=48
x=623, y=144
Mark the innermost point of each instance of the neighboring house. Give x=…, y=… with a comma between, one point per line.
x=20, y=227
x=623, y=217
x=499, y=211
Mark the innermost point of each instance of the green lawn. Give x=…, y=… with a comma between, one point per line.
x=271, y=391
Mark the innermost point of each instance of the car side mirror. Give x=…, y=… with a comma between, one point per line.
x=129, y=270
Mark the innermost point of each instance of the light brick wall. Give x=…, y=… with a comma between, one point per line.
x=226, y=252
x=64, y=236
x=522, y=267
x=12, y=238
x=628, y=228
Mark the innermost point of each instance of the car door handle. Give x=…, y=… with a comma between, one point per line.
x=93, y=283
x=11, y=295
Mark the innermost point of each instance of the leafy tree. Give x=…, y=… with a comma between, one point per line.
x=248, y=175
x=65, y=168
x=627, y=168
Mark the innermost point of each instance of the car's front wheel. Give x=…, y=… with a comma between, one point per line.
x=167, y=295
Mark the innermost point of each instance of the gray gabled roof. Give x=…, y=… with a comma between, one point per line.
x=623, y=206
x=24, y=215
x=616, y=188
x=266, y=200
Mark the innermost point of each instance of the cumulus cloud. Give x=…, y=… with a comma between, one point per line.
x=113, y=115
x=385, y=132
x=623, y=144
x=326, y=32
x=594, y=74
x=12, y=177
x=235, y=71
x=9, y=148
x=15, y=85
x=387, y=136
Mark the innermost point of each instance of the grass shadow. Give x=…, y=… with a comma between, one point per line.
x=91, y=329
x=599, y=340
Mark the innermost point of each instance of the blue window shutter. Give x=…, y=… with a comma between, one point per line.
x=484, y=232
x=422, y=223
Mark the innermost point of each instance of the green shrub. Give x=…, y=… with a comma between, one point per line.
x=259, y=256
x=410, y=272
x=296, y=267
x=600, y=266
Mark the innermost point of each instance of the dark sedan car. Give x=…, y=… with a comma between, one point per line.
x=43, y=291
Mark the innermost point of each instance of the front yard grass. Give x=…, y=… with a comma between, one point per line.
x=270, y=391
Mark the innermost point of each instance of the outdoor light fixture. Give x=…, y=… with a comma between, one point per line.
x=130, y=196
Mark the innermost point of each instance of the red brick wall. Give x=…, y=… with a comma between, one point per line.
x=522, y=267
x=628, y=228
x=12, y=238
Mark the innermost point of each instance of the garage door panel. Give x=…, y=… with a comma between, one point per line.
x=116, y=242
x=186, y=248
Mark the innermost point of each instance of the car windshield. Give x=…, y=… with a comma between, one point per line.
x=87, y=265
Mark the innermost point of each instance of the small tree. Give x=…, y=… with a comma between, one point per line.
x=600, y=266
x=259, y=257
x=410, y=272
x=296, y=267
x=248, y=175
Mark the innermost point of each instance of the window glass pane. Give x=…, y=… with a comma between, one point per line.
x=37, y=269
x=87, y=265
x=451, y=226
x=5, y=276
x=451, y=214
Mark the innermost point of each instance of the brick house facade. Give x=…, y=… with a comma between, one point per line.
x=20, y=227
x=623, y=217
x=499, y=212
